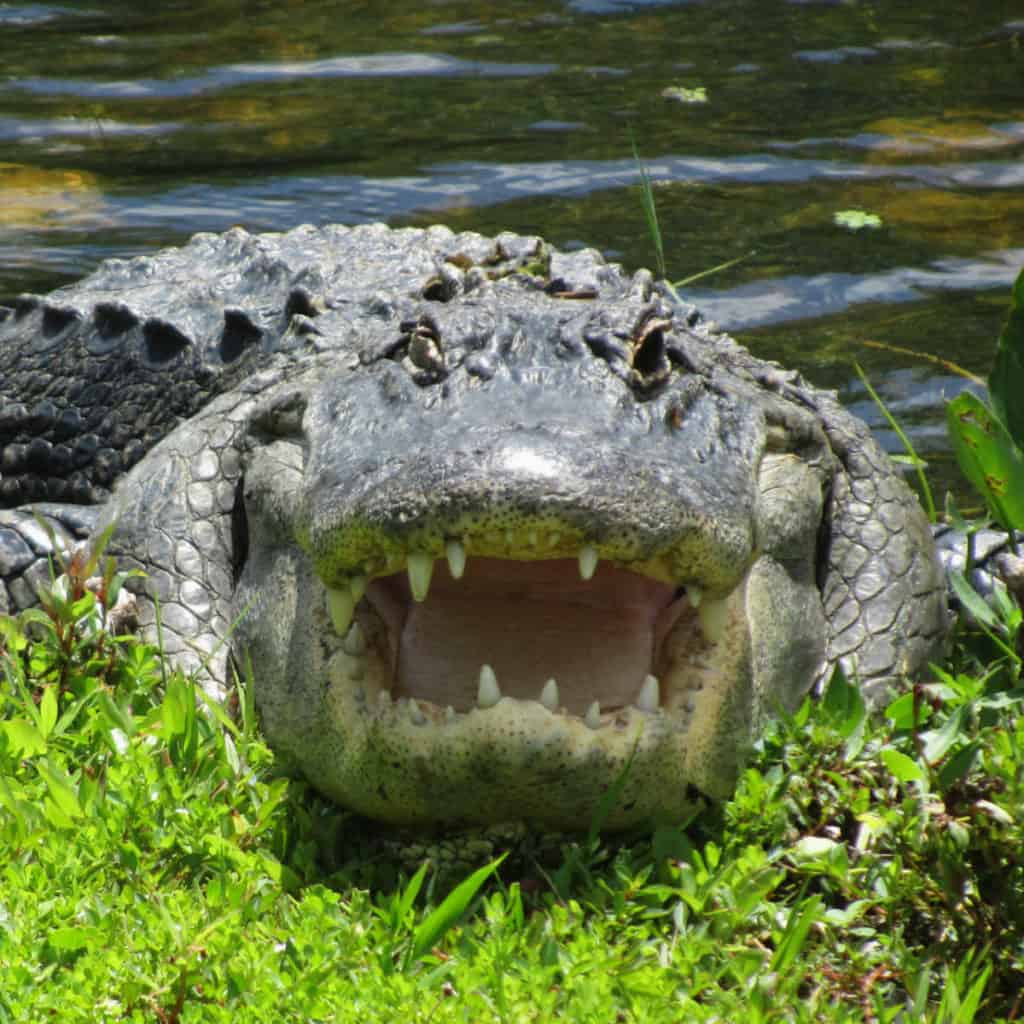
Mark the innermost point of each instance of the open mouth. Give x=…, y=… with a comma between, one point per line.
x=504, y=674
x=586, y=640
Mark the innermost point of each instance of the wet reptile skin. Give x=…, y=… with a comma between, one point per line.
x=247, y=399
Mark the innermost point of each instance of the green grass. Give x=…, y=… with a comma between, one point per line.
x=156, y=866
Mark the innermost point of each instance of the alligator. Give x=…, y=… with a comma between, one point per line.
x=494, y=529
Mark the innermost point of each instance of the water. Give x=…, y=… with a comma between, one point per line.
x=124, y=129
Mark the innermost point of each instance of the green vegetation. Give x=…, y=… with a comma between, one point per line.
x=155, y=865
x=989, y=439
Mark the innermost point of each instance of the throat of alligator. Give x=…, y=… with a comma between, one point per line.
x=510, y=628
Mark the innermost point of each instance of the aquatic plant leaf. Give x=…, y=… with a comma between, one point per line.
x=856, y=219
x=988, y=457
x=1006, y=382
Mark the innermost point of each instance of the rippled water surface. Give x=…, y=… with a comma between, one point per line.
x=124, y=128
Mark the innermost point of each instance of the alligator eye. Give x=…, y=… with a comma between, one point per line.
x=649, y=356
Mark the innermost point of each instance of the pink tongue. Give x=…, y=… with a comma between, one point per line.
x=530, y=621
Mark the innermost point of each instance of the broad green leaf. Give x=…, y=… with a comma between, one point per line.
x=12, y=634
x=24, y=737
x=115, y=714
x=938, y=741
x=957, y=767
x=904, y=768
x=174, y=710
x=72, y=938
x=844, y=704
x=16, y=807
x=846, y=916
x=61, y=789
x=988, y=457
x=901, y=712
x=1006, y=382
x=813, y=848
x=454, y=905
x=48, y=710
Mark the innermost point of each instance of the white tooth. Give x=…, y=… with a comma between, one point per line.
x=713, y=617
x=694, y=594
x=649, y=697
x=487, y=693
x=419, y=565
x=341, y=606
x=588, y=561
x=417, y=716
x=549, y=695
x=455, y=552
x=592, y=718
x=355, y=641
x=358, y=587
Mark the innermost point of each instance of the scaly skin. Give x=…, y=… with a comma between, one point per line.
x=684, y=537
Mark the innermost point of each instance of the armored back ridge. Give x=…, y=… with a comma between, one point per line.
x=493, y=520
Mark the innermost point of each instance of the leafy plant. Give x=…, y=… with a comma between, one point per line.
x=989, y=439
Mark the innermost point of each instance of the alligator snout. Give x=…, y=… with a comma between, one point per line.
x=504, y=619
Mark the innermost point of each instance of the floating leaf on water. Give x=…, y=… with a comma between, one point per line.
x=681, y=94
x=857, y=219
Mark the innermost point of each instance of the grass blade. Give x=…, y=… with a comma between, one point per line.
x=650, y=210
x=926, y=491
x=452, y=907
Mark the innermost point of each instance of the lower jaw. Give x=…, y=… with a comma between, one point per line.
x=515, y=761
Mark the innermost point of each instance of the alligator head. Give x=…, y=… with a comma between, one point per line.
x=489, y=593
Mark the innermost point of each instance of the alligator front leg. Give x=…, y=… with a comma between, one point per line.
x=883, y=589
x=174, y=523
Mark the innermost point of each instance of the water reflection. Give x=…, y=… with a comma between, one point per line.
x=380, y=65
x=761, y=303
x=123, y=128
